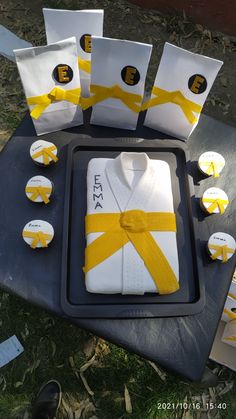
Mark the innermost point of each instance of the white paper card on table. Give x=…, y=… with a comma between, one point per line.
x=9, y=41
x=61, y=24
x=182, y=84
x=131, y=181
x=9, y=350
x=51, y=71
x=229, y=312
x=123, y=64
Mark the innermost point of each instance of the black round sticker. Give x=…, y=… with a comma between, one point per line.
x=85, y=42
x=197, y=84
x=63, y=73
x=130, y=75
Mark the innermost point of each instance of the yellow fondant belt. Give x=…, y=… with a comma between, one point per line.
x=36, y=191
x=114, y=92
x=84, y=65
x=213, y=167
x=163, y=96
x=216, y=203
x=221, y=251
x=38, y=237
x=230, y=313
x=132, y=226
x=56, y=94
x=47, y=153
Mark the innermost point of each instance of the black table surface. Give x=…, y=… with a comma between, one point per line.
x=181, y=344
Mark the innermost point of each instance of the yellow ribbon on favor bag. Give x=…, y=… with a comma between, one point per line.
x=114, y=92
x=84, y=65
x=221, y=251
x=38, y=237
x=213, y=167
x=163, y=96
x=47, y=153
x=132, y=226
x=56, y=94
x=230, y=313
x=216, y=203
x=36, y=191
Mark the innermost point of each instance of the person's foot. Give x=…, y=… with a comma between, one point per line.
x=47, y=401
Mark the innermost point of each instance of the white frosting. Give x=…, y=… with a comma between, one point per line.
x=214, y=193
x=36, y=226
x=38, y=181
x=232, y=290
x=205, y=160
x=131, y=181
x=39, y=145
x=229, y=334
x=221, y=239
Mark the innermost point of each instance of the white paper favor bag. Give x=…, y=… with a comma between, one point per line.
x=181, y=87
x=61, y=24
x=50, y=77
x=117, y=81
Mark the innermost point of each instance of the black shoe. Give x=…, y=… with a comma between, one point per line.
x=47, y=401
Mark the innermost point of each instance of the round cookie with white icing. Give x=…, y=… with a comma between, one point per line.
x=43, y=152
x=211, y=163
x=229, y=334
x=39, y=189
x=214, y=201
x=38, y=233
x=221, y=246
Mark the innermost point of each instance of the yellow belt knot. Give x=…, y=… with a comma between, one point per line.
x=36, y=191
x=133, y=226
x=56, y=94
x=163, y=96
x=134, y=221
x=216, y=203
x=221, y=251
x=114, y=92
x=38, y=237
x=213, y=167
x=47, y=153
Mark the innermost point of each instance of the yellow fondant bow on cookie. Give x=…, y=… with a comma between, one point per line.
x=101, y=93
x=38, y=237
x=163, y=96
x=213, y=167
x=36, y=191
x=222, y=251
x=216, y=203
x=56, y=94
x=132, y=226
x=47, y=153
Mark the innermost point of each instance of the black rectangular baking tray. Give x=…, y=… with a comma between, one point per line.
x=75, y=300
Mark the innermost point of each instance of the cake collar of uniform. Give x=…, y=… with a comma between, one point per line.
x=129, y=160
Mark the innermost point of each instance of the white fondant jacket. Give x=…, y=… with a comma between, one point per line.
x=130, y=181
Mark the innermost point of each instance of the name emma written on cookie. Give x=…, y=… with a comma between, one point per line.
x=97, y=187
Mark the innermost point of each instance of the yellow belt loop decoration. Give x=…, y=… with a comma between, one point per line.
x=47, y=153
x=221, y=251
x=216, y=203
x=212, y=167
x=231, y=314
x=176, y=97
x=132, y=226
x=38, y=237
x=84, y=65
x=114, y=92
x=56, y=94
x=36, y=191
